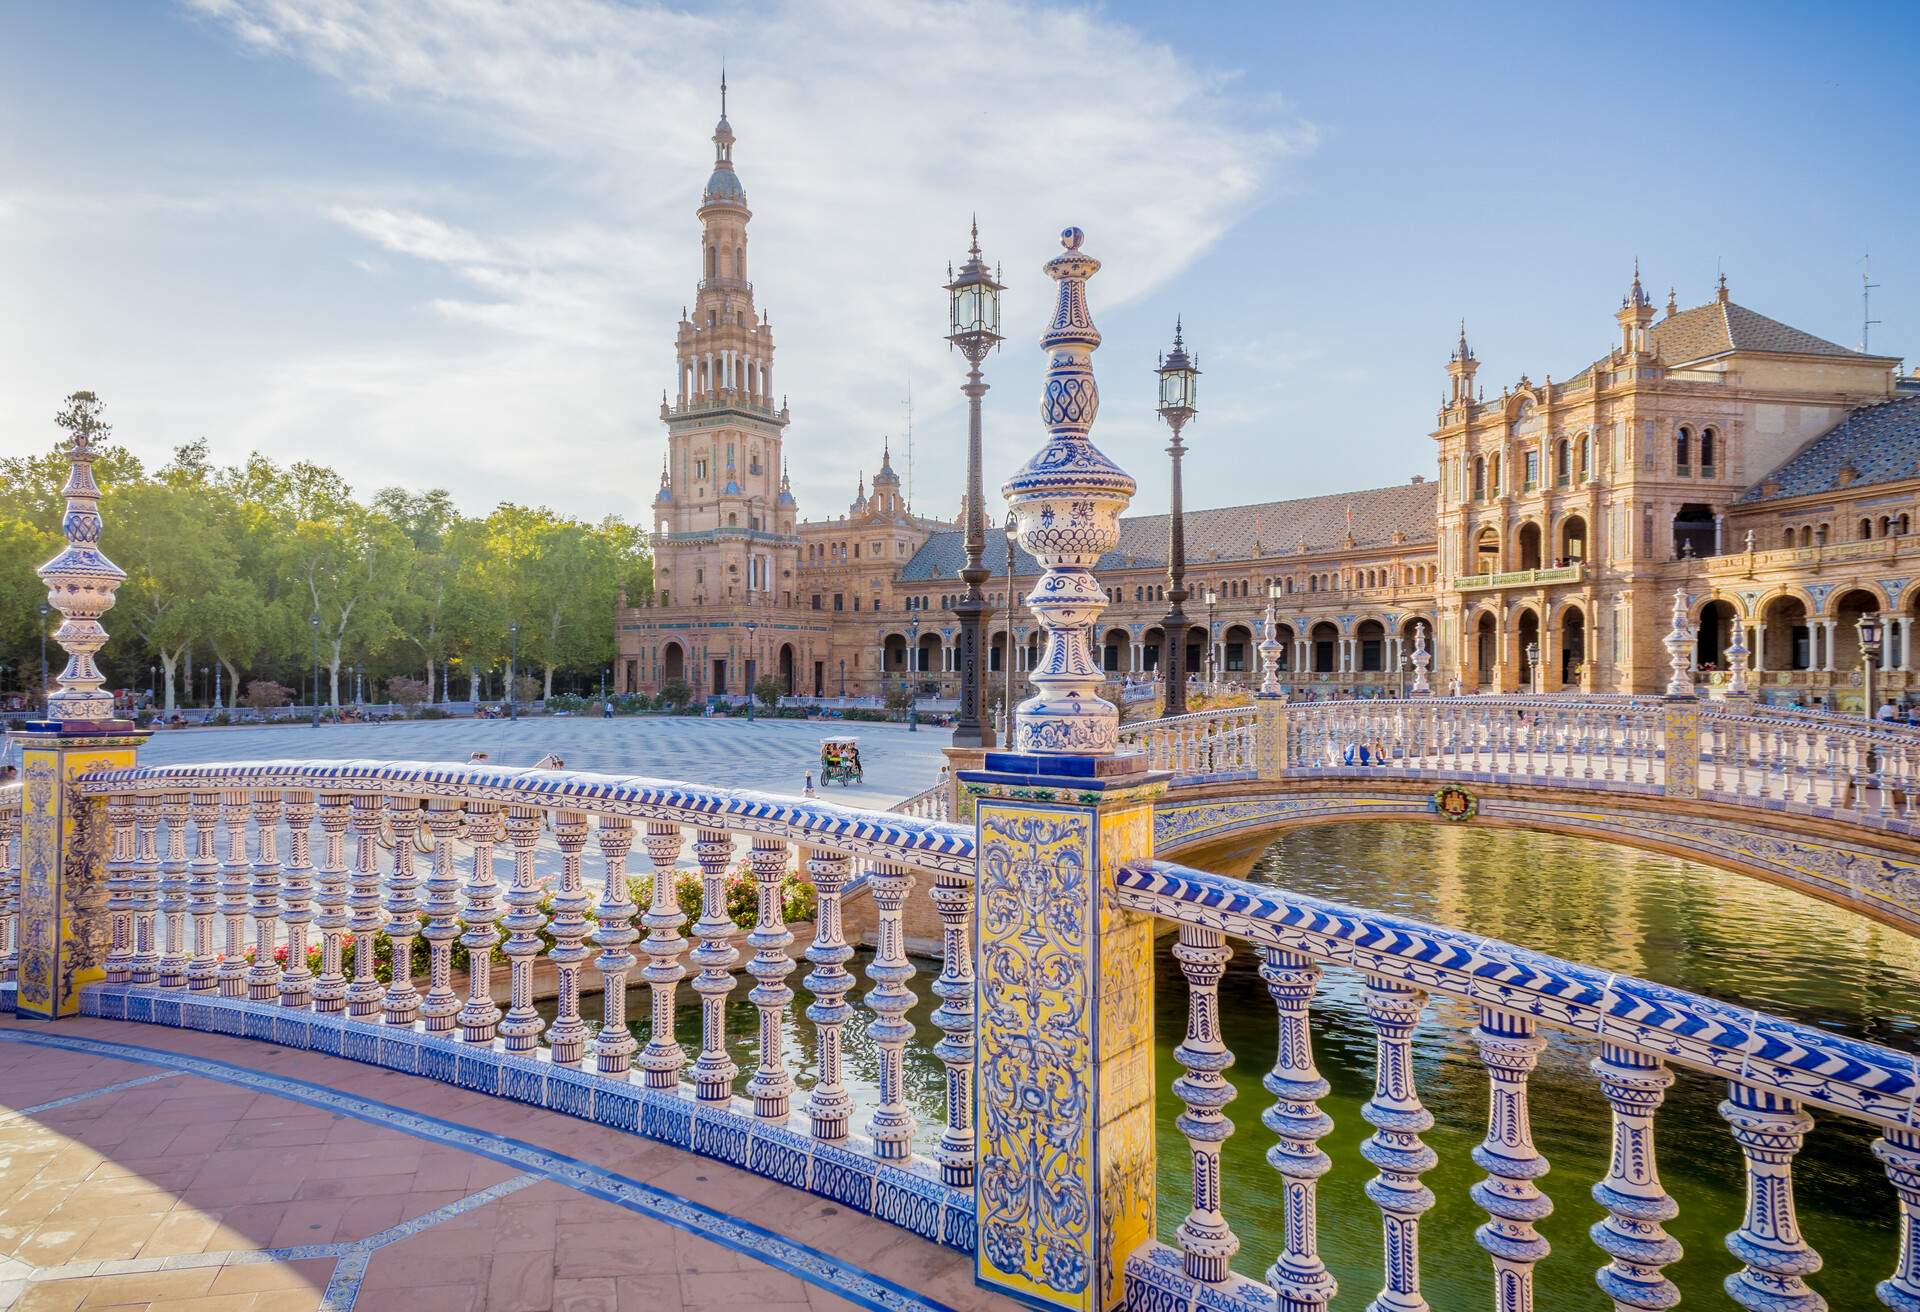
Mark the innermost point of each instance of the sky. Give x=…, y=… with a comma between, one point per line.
x=444, y=243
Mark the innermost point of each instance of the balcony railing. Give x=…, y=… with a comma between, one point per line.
x=1520, y=578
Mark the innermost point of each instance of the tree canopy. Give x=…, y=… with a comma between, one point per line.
x=267, y=570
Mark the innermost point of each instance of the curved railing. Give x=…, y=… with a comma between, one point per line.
x=934, y=803
x=9, y=883
x=1775, y=1071
x=1774, y=760
x=200, y=855
x=1215, y=742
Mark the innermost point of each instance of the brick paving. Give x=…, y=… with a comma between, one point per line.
x=125, y=1185
x=768, y=755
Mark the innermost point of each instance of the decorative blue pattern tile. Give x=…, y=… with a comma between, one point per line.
x=359, y=1044
x=399, y=1050
x=325, y=1035
x=292, y=1030
x=779, y=1154
x=668, y=1118
x=140, y=1008
x=437, y=1061
x=844, y=1176
x=959, y=1227
x=570, y=1092
x=720, y=1134
x=523, y=1080
x=616, y=1104
x=478, y=1068
x=908, y=1201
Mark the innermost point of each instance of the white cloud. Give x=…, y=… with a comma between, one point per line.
x=869, y=130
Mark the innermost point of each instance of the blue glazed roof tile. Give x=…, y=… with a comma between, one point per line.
x=1880, y=443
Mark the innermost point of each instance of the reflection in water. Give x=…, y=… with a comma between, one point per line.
x=1658, y=917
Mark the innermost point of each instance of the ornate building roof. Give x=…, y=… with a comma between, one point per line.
x=1874, y=444
x=1268, y=529
x=1721, y=326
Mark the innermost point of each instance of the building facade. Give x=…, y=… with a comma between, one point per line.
x=1772, y=475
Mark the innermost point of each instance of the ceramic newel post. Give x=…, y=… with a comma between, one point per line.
x=1062, y=1015
x=1678, y=639
x=1068, y=500
x=65, y=932
x=1422, y=660
x=81, y=583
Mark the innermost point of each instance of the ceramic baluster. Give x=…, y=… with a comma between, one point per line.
x=520, y=1028
x=829, y=1105
x=1633, y=1234
x=1899, y=1152
x=402, y=999
x=662, y=1058
x=143, y=890
x=1769, y=1130
x=441, y=1004
x=1298, y=1275
x=479, y=1017
x=1395, y=1148
x=263, y=896
x=296, y=902
x=235, y=871
x=953, y=897
x=892, y=1123
x=203, y=893
x=713, y=1070
x=173, y=892
x=119, y=962
x=613, y=934
x=330, y=989
x=1206, y=1241
x=567, y=1035
x=770, y=1085
x=1509, y=1048
x=365, y=920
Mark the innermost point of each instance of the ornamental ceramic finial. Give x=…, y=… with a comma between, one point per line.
x=80, y=581
x=1422, y=659
x=1676, y=642
x=1067, y=501
x=1737, y=660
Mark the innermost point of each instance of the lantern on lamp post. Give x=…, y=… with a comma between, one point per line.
x=1179, y=385
x=974, y=329
x=1868, y=627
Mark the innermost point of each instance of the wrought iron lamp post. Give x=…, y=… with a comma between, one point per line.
x=1533, y=664
x=913, y=672
x=217, y=668
x=843, y=678
x=313, y=623
x=1179, y=378
x=752, y=628
x=1213, y=674
x=513, y=670
x=1868, y=627
x=153, y=684
x=974, y=298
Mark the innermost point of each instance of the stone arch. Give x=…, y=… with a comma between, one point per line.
x=1785, y=626
x=1486, y=551
x=1845, y=607
x=893, y=654
x=673, y=662
x=1370, y=646
x=1571, y=625
x=787, y=673
x=1115, y=648
x=1573, y=539
x=1151, y=643
x=1237, y=656
x=1527, y=541
x=1323, y=641
x=1714, y=620
x=1527, y=632
x=1486, y=647
x=928, y=661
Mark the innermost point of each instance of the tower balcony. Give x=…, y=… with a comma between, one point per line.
x=1521, y=578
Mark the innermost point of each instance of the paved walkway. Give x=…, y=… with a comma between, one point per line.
x=769, y=755
x=150, y=1168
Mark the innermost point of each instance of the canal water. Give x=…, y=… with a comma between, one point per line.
x=1661, y=918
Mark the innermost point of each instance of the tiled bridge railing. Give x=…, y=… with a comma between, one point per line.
x=197, y=861
x=211, y=869
x=1721, y=751
x=1775, y=1072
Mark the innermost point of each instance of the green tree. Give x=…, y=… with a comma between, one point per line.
x=351, y=564
x=433, y=600
x=174, y=568
x=559, y=579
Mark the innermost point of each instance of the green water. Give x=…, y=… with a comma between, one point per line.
x=1682, y=924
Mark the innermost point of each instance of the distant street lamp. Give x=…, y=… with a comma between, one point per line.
x=1213, y=600
x=752, y=628
x=204, y=680
x=1178, y=392
x=1868, y=628
x=153, y=684
x=913, y=671
x=974, y=299
x=603, y=690
x=1533, y=663
x=314, y=623
x=843, y=678
x=513, y=665
x=216, y=686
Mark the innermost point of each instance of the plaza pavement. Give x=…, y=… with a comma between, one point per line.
x=772, y=756
x=168, y=1170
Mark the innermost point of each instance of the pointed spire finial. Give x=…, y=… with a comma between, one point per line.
x=974, y=248
x=723, y=88
x=1179, y=327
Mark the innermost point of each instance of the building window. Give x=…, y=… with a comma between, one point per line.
x=1479, y=478
x=1682, y=453
x=1586, y=459
x=816, y=601
x=1563, y=464
x=1493, y=476
x=839, y=601
x=1707, y=453
x=1533, y=470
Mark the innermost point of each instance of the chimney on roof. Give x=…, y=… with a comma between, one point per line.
x=1846, y=476
x=1419, y=478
